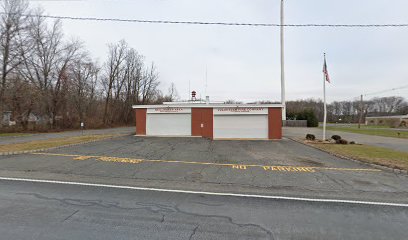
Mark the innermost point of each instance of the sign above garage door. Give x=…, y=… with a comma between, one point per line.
x=169, y=110
x=240, y=110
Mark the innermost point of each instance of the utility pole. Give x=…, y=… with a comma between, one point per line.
x=282, y=40
x=361, y=112
x=324, y=102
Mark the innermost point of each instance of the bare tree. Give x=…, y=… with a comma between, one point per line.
x=84, y=77
x=69, y=53
x=133, y=77
x=45, y=65
x=126, y=82
x=232, y=101
x=387, y=104
x=56, y=81
x=149, y=84
x=172, y=93
x=12, y=23
x=113, y=71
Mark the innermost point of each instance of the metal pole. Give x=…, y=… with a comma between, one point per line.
x=325, y=106
x=206, y=80
x=282, y=40
x=361, y=112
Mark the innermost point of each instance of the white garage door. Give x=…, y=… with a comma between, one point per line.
x=241, y=126
x=168, y=124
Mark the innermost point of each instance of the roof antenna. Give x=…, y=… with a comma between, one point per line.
x=206, y=80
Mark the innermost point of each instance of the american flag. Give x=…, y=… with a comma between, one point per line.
x=325, y=71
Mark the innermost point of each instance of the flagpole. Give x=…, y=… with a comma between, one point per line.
x=325, y=106
x=282, y=41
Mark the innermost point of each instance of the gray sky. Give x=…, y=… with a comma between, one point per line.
x=243, y=62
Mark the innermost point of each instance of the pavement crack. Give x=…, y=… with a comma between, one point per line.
x=155, y=208
x=209, y=204
x=268, y=232
x=194, y=232
x=338, y=182
x=70, y=216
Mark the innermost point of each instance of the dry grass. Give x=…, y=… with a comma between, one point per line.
x=13, y=134
x=370, y=154
x=50, y=143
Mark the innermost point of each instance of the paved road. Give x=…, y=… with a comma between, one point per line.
x=257, y=167
x=387, y=142
x=355, y=125
x=46, y=136
x=53, y=211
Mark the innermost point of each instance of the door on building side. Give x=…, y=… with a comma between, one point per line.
x=202, y=122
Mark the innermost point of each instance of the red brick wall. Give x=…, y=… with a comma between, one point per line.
x=275, y=123
x=141, y=121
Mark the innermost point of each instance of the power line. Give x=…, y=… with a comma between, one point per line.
x=216, y=23
x=385, y=91
x=357, y=98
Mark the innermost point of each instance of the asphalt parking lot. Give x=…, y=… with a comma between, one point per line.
x=262, y=167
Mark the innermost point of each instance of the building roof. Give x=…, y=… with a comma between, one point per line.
x=209, y=105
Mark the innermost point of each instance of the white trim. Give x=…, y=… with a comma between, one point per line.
x=240, y=111
x=207, y=193
x=169, y=110
x=167, y=136
x=210, y=106
x=193, y=102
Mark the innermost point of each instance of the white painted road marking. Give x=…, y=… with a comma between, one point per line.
x=207, y=193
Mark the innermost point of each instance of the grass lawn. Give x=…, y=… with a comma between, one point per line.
x=371, y=154
x=13, y=134
x=371, y=131
x=362, y=126
x=56, y=142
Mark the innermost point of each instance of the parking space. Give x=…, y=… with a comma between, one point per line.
x=269, y=153
x=284, y=167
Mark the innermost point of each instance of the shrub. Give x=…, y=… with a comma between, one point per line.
x=341, y=141
x=352, y=142
x=336, y=137
x=307, y=114
x=310, y=137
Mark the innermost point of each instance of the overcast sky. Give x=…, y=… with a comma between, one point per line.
x=244, y=62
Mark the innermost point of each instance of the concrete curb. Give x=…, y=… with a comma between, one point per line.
x=52, y=148
x=378, y=166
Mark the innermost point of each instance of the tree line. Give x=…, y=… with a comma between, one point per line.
x=51, y=79
x=349, y=111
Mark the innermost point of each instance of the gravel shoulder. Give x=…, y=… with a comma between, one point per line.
x=47, y=136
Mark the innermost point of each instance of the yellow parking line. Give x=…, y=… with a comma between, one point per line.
x=309, y=169
x=351, y=169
